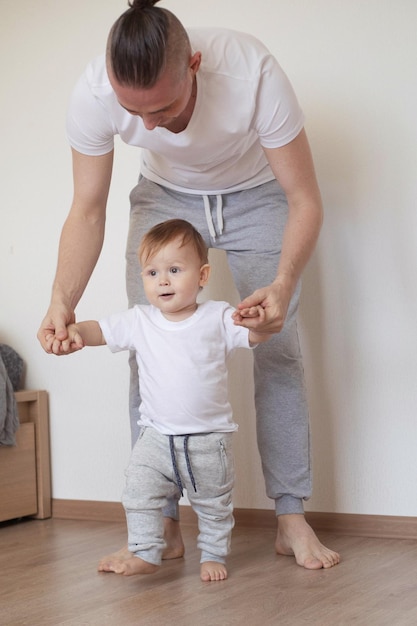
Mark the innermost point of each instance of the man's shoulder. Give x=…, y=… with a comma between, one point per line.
x=228, y=51
x=96, y=73
x=207, y=36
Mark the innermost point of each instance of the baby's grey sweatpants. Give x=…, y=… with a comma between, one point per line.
x=249, y=225
x=204, y=465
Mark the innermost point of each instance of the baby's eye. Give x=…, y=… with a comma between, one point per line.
x=152, y=272
x=174, y=270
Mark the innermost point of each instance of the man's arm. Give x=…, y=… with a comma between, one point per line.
x=80, y=243
x=293, y=168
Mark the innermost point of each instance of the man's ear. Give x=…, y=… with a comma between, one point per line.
x=195, y=62
x=204, y=274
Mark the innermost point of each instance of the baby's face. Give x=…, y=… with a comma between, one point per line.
x=172, y=278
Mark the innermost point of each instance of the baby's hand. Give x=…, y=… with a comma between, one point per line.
x=253, y=312
x=256, y=313
x=71, y=344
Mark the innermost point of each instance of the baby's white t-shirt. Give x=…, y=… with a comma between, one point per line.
x=182, y=365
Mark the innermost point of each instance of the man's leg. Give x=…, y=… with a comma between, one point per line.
x=255, y=222
x=150, y=205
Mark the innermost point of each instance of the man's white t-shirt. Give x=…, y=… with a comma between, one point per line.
x=244, y=102
x=182, y=365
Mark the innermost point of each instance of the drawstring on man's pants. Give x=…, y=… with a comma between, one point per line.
x=219, y=215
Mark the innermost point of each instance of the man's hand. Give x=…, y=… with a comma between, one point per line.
x=273, y=299
x=53, y=330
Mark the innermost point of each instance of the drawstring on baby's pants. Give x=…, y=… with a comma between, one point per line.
x=187, y=460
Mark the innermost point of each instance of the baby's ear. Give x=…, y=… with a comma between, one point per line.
x=204, y=274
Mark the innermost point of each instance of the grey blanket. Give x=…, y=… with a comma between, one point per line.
x=11, y=366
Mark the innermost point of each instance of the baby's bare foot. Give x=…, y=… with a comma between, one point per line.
x=174, y=547
x=129, y=566
x=296, y=538
x=211, y=570
x=106, y=563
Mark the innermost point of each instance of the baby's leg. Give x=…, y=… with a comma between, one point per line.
x=211, y=462
x=145, y=494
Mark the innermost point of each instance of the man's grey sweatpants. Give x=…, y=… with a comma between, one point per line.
x=205, y=468
x=253, y=226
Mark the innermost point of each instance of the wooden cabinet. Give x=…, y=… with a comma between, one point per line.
x=25, y=477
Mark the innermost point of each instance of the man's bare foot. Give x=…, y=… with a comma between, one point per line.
x=130, y=566
x=296, y=538
x=211, y=570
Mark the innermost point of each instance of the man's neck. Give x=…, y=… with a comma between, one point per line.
x=182, y=121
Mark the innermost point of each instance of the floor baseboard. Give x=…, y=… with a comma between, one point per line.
x=382, y=526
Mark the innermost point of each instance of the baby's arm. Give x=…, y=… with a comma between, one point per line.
x=80, y=334
x=86, y=334
x=255, y=337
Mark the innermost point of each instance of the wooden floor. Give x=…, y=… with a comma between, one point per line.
x=48, y=577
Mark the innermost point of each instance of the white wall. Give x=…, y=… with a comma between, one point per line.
x=353, y=67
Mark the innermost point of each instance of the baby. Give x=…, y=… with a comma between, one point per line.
x=186, y=420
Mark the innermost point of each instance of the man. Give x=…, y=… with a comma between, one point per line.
x=223, y=146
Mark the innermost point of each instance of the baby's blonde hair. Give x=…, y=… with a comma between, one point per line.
x=165, y=232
